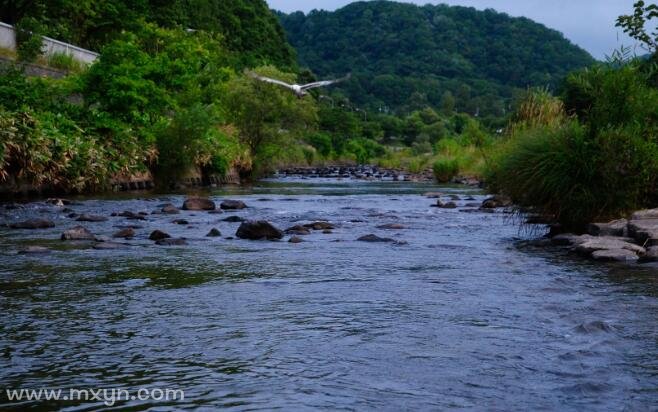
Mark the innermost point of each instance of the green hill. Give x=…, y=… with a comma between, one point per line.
x=404, y=56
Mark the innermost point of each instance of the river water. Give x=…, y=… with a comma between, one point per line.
x=460, y=313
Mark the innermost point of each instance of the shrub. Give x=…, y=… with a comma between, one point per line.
x=64, y=61
x=445, y=169
x=29, y=43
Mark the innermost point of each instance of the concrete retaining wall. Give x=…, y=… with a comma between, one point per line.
x=50, y=46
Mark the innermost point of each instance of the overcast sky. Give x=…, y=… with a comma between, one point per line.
x=588, y=23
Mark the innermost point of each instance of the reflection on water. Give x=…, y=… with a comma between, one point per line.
x=463, y=315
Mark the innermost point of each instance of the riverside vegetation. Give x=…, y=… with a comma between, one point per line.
x=166, y=98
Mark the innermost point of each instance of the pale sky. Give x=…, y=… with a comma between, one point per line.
x=587, y=23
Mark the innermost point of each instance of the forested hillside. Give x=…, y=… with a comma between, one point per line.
x=405, y=56
x=248, y=27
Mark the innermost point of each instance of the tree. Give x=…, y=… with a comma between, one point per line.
x=634, y=25
x=269, y=118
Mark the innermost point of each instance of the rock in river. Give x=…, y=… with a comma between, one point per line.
x=77, y=233
x=295, y=239
x=320, y=226
x=615, y=255
x=171, y=242
x=159, y=235
x=298, y=230
x=374, y=238
x=198, y=203
x=614, y=228
x=214, y=232
x=257, y=230
x=234, y=219
x=496, y=201
x=169, y=209
x=392, y=226
x=33, y=224
x=232, y=205
x=125, y=233
x=91, y=218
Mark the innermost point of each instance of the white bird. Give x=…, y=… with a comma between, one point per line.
x=300, y=90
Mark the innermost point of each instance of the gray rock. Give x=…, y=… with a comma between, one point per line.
x=131, y=215
x=392, y=226
x=645, y=214
x=125, y=233
x=234, y=219
x=214, y=232
x=34, y=250
x=615, y=255
x=295, y=239
x=614, y=228
x=171, y=242
x=298, y=230
x=319, y=226
x=170, y=209
x=91, y=218
x=642, y=230
x=446, y=205
x=77, y=233
x=257, y=230
x=33, y=224
x=198, y=203
x=232, y=205
x=651, y=255
x=159, y=235
x=608, y=243
x=496, y=201
x=374, y=238
x=569, y=239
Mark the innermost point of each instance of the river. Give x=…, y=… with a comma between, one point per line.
x=460, y=312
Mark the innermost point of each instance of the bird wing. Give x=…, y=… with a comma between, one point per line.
x=324, y=83
x=268, y=80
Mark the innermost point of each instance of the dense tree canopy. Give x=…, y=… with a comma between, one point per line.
x=249, y=28
x=405, y=57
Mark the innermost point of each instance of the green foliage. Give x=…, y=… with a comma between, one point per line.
x=406, y=57
x=321, y=142
x=250, y=30
x=596, y=166
x=634, y=25
x=29, y=43
x=269, y=118
x=445, y=169
x=364, y=150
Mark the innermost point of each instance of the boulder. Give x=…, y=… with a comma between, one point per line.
x=298, y=230
x=257, y=230
x=643, y=230
x=130, y=215
x=374, y=238
x=320, y=226
x=171, y=242
x=91, y=218
x=232, y=205
x=33, y=224
x=77, y=233
x=614, y=228
x=198, y=203
x=34, y=250
x=126, y=233
x=392, y=226
x=645, y=214
x=295, y=239
x=569, y=239
x=447, y=205
x=651, y=255
x=615, y=255
x=496, y=201
x=234, y=219
x=170, y=209
x=158, y=235
x=608, y=243
x=214, y=232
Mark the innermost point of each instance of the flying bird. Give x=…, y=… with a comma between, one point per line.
x=300, y=90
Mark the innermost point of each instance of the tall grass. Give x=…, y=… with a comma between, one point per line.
x=599, y=163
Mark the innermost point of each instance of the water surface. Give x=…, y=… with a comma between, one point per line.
x=460, y=313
